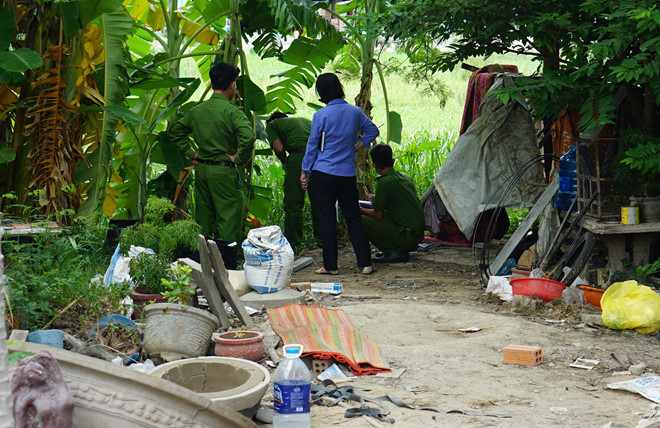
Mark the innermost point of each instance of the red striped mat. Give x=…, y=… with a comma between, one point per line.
x=327, y=333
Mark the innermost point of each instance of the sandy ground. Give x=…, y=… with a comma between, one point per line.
x=414, y=313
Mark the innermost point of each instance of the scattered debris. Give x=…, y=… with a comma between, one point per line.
x=469, y=329
x=637, y=369
x=558, y=410
x=335, y=374
x=395, y=373
x=647, y=387
x=415, y=388
x=584, y=363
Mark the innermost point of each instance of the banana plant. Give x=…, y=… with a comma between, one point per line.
x=360, y=52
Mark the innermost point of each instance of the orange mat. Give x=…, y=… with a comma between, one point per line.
x=327, y=333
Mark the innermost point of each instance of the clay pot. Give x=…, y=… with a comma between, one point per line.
x=519, y=273
x=141, y=297
x=248, y=345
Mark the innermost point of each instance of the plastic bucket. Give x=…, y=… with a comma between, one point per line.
x=54, y=338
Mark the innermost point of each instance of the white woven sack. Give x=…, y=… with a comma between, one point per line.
x=268, y=259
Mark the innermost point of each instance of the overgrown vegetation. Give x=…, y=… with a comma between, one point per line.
x=47, y=272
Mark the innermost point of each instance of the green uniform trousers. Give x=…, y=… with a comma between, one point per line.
x=294, y=201
x=388, y=236
x=219, y=202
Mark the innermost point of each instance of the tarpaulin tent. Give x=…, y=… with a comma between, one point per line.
x=497, y=144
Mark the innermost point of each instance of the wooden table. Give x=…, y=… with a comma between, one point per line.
x=613, y=235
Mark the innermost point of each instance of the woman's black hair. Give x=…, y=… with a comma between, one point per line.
x=329, y=87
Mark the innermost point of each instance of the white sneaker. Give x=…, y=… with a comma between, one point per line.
x=367, y=270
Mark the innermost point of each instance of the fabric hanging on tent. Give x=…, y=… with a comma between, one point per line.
x=478, y=85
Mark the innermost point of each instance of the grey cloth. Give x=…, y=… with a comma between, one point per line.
x=497, y=144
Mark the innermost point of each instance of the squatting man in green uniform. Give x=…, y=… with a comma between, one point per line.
x=290, y=135
x=224, y=139
x=395, y=222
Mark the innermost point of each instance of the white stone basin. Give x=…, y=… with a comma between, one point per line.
x=110, y=396
x=237, y=383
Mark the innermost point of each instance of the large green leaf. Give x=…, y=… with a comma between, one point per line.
x=70, y=15
x=396, y=126
x=116, y=28
x=261, y=201
x=174, y=159
x=308, y=57
x=254, y=97
x=20, y=60
x=180, y=99
x=7, y=155
x=7, y=28
x=11, y=78
x=125, y=114
x=92, y=9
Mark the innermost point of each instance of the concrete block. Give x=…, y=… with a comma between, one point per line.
x=282, y=297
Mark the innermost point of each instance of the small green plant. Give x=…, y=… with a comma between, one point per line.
x=147, y=270
x=238, y=335
x=636, y=168
x=177, y=285
x=160, y=231
x=637, y=273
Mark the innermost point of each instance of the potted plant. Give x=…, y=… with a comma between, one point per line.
x=168, y=231
x=177, y=286
x=176, y=330
x=636, y=173
x=147, y=271
x=244, y=344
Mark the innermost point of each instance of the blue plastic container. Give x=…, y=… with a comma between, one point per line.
x=54, y=338
x=567, y=179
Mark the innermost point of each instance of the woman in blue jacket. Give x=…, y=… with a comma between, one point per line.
x=329, y=168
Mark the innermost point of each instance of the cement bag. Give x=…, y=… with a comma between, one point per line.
x=627, y=305
x=268, y=259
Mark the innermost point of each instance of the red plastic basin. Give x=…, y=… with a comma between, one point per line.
x=545, y=289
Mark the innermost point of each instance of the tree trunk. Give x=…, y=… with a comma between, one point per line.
x=363, y=100
x=6, y=413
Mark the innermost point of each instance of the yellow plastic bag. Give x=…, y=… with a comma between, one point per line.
x=627, y=305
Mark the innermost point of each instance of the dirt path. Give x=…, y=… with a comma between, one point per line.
x=414, y=311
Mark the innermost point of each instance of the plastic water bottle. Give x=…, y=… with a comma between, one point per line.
x=292, y=391
x=567, y=179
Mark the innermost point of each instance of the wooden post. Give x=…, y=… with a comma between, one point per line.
x=224, y=286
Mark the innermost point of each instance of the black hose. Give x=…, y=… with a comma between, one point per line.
x=483, y=266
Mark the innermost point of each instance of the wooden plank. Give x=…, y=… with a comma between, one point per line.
x=522, y=230
x=224, y=286
x=302, y=263
x=204, y=281
x=608, y=228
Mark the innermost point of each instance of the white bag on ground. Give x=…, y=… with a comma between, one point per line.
x=268, y=259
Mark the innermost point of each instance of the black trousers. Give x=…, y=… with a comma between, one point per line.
x=329, y=189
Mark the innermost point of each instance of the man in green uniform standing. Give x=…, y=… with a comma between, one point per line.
x=224, y=138
x=289, y=135
x=395, y=222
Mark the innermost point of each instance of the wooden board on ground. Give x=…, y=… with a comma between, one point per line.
x=205, y=282
x=224, y=287
x=301, y=263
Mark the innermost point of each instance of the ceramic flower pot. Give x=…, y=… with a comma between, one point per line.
x=248, y=345
x=174, y=331
x=142, y=297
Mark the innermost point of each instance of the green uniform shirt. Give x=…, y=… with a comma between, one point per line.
x=396, y=195
x=292, y=131
x=219, y=128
